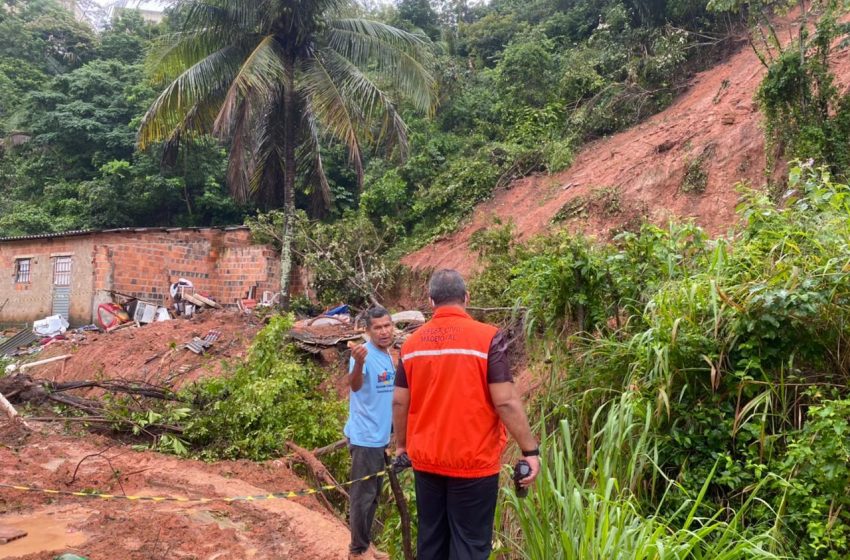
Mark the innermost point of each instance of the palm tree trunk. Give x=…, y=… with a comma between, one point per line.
x=289, y=125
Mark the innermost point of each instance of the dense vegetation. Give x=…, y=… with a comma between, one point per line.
x=595, y=66
x=704, y=392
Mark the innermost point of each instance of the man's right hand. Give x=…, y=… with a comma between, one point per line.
x=359, y=354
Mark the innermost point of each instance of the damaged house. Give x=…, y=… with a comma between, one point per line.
x=71, y=273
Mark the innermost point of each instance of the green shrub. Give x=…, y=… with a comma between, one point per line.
x=583, y=505
x=815, y=477
x=271, y=398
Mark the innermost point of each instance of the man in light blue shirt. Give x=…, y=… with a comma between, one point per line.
x=371, y=378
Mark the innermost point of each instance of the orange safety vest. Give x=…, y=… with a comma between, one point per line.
x=452, y=425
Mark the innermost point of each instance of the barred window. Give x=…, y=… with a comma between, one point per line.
x=22, y=271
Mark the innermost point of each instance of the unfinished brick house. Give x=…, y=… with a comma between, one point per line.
x=72, y=273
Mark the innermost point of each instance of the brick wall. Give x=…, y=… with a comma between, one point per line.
x=140, y=263
x=224, y=264
x=34, y=300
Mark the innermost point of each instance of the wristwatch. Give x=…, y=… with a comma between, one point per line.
x=533, y=453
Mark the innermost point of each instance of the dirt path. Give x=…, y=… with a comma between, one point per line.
x=683, y=162
x=111, y=529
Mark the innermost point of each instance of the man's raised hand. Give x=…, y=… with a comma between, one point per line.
x=359, y=353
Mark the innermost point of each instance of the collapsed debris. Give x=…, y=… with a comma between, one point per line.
x=199, y=345
x=335, y=329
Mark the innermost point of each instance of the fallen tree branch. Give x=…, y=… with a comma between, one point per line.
x=316, y=467
x=403, y=512
x=12, y=413
x=26, y=389
x=116, y=474
x=335, y=446
x=104, y=420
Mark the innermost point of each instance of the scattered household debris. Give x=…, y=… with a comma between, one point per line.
x=50, y=326
x=269, y=299
x=314, y=339
x=410, y=316
x=199, y=345
x=19, y=344
x=335, y=329
x=111, y=315
x=187, y=300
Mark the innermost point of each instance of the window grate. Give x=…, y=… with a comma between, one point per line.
x=62, y=271
x=22, y=271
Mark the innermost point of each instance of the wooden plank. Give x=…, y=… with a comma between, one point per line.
x=194, y=300
x=9, y=534
x=206, y=301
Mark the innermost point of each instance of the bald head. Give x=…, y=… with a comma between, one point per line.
x=447, y=287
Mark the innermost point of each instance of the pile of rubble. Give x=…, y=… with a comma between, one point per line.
x=124, y=311
x=334, y=329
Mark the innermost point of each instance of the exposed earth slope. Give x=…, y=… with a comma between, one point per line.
x=711, y=134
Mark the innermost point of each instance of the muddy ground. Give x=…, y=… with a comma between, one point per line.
x=101, y=529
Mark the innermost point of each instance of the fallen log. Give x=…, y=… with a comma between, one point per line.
x=315, y=466
x=335, y=446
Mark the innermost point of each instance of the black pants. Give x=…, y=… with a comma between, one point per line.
x=364, y=495
x=455, y=516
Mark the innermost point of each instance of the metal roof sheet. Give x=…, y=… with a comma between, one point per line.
x=79, y=232
x=23, y=338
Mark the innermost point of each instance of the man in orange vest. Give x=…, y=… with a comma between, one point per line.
x=454, y=395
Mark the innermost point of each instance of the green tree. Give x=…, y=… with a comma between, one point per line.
x=276, y=77
x=84, y=117
x=127, y=38
x=45, y=34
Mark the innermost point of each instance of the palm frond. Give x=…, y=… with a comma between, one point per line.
x=269, y=166
x=207, y=26
x=310, y=158
x=240, y=162
x=175, y=52
x=338, y=117
x=374, y=103
x=195, y=123
x=195, y=86
x=224, y=15
x=404, y=58
x=261, y=76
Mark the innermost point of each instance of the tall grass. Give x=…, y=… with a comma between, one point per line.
x=584, y=504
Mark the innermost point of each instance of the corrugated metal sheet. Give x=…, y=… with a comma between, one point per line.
x=77, y=233
x=23, y=338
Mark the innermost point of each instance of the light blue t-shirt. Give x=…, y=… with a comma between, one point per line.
x=370, y=410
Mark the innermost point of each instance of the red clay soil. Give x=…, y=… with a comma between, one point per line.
x=152, y=353
x=716, y=120
x=116, y=529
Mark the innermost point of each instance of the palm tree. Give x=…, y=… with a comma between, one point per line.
x=276, y=78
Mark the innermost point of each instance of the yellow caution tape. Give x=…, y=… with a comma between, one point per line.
x=288, y=495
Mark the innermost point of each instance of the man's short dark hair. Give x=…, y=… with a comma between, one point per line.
x=447, y=287
x=375, y=312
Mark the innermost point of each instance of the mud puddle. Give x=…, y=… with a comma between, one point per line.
x=47, y=530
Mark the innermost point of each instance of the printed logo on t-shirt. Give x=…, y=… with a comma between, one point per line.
x=385, y=381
